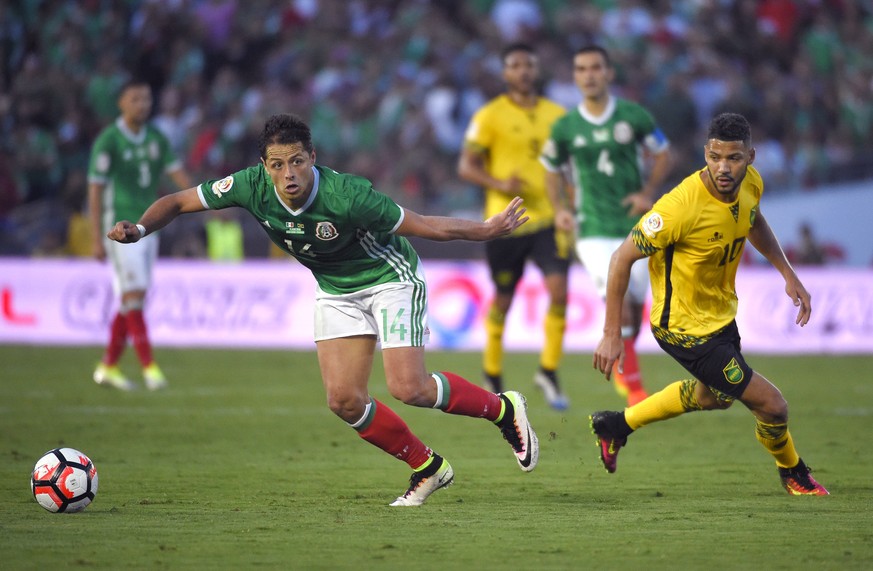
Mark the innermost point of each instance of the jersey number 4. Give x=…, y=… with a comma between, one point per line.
x=605, y=164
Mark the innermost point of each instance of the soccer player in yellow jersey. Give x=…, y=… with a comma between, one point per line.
x=694, y=238
x=501, y=153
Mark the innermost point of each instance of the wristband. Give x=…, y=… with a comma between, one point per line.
x=142, y=231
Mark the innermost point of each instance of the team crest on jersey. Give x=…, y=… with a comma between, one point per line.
x=733, y=373
x=623, y=132
x=326, y=231
x=220, y=187
x=653, y=224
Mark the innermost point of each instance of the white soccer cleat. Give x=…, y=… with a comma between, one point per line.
x=422, y=484
x=518, y=432
x=111, y=376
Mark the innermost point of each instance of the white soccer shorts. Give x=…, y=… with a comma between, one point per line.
x=132, y=263
x=595, y=253
x=396, y=313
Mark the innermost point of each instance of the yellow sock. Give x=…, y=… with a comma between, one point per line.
x=674, y=399
x=778, y=442
x=554, y=325
x=492, y=356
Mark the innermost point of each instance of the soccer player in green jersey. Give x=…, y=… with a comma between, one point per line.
x=501, y=154
x=694, y=238
x=128, y=160
x=370, y=289
x=600, y=144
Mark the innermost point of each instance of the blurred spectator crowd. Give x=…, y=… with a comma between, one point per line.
x=388, y=87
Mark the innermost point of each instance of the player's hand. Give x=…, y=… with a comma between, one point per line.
x=565, y=220
x=506, y=222
x=125, y=232
x=513, y=185
x=801, y=299
x=638, y=202
x=609, y=351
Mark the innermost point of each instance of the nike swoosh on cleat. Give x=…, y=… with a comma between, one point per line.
x=526, y=461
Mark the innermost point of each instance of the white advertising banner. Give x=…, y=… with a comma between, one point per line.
x=269, y=305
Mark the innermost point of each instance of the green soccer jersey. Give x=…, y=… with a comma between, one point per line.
x=130, y=166
x=344, y=234
x=604, y=158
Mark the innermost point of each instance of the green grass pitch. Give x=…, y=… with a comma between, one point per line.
x=241, y=465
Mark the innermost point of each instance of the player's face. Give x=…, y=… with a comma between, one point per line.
x=591, y=74
x=136, y=104
x=521, y=71
x=726, y=165
x=290, y=169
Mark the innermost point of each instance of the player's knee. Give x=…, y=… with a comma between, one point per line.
x=409, y=391
x=774, y=411
x=347, y=407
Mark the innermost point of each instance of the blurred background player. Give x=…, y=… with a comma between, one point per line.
x=371, y=289
x=694, y=238
x=501, y=153
x=600, y=143
x=127, y=162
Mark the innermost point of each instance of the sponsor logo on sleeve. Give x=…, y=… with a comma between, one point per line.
x=653, y=224
x=102, y=162
x=222, y=186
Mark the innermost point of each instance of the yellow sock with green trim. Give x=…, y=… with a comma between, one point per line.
x=492, y=356
x=674, y=399
x=554, y=326
x=778, y=442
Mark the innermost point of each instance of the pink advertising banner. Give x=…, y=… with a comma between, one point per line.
x=269, y=305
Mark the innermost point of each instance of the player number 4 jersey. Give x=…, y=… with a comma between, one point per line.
x=344, y=234
x=603, y=155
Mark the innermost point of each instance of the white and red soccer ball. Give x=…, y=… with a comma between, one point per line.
x=64, y=481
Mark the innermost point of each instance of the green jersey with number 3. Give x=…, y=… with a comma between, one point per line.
x=344, y=234
x=604, y=158
x=130, y=165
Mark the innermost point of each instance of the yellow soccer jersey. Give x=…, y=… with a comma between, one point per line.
x=511, y=138
x=695, y=244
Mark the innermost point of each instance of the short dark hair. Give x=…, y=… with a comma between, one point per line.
x=516, y=47
x=285, y=129
x=730, y=127
x=131, y=82
x=595, y=49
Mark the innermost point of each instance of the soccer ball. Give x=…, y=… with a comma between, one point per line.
x=64, y=480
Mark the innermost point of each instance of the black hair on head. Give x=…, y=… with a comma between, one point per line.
x=516, y=47
x=285, y=129
x=595, y=49
x=730, y=127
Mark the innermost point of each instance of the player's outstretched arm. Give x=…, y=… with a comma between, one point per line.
x=159, y=214
x=443, y=228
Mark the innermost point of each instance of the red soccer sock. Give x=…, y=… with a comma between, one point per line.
x=457, y=395
x=117, y=339
x=630, y=376
x=139, y=336
x=385, y=430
